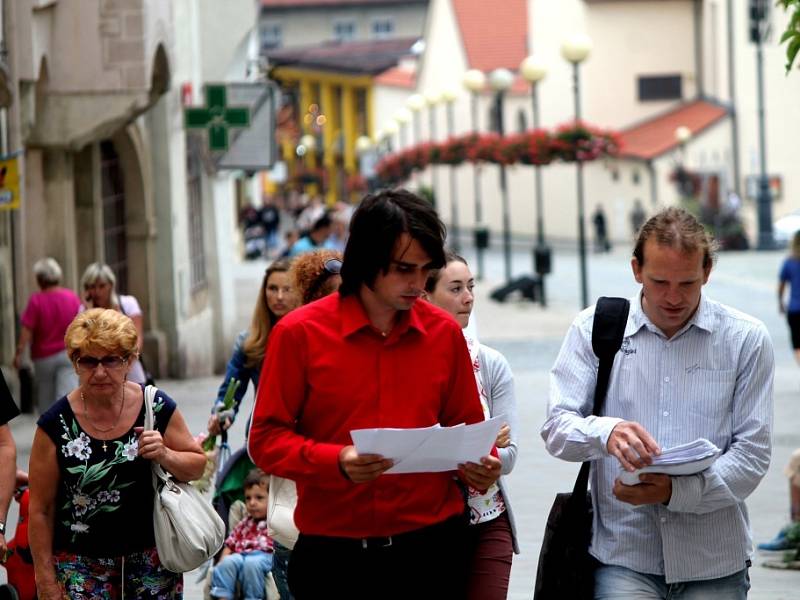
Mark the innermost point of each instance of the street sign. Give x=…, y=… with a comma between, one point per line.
x=9, y=183
x=217, y=117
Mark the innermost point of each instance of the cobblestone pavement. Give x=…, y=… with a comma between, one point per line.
x=530, y=337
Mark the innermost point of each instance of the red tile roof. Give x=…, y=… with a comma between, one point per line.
x=494, y=34
x=397, y=77
x=656, y=136
x=360, y=57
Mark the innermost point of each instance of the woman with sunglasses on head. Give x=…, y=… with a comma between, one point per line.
x=275, y=298
x=492, y=531
x=91, y=493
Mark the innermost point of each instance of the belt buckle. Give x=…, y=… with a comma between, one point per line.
x=383, y=542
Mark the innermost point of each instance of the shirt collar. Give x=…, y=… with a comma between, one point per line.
x=702, y=318
x=354, y=317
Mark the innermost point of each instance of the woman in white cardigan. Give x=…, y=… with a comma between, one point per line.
x=493, y=534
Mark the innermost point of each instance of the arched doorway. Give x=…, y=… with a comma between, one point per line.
x=112, y=192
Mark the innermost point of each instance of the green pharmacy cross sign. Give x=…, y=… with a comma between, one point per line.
x=217, y=117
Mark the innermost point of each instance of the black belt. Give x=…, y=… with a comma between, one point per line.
x=382, y=542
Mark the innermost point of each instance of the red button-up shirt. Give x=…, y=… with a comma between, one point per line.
x=328, y=371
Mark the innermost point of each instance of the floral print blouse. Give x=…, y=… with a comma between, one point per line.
x=104, y=503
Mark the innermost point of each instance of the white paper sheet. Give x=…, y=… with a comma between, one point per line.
x=686, y=459
x=429, y=449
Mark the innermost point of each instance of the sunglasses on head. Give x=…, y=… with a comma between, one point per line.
x=333, y=266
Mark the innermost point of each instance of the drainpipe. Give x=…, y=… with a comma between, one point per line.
x=698, y=48
x=734, y=116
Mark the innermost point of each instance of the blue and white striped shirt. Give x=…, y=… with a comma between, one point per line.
x=712, y=379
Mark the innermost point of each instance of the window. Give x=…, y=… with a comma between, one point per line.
x=271, y=36
x=194, y=184
x=660, y=87
x=382, y=29
x=344, y=31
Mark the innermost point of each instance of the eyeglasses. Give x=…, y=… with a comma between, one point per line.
x=333, y=266
x=110, y=363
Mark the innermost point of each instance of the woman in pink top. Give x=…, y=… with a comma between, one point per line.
x=44, y=322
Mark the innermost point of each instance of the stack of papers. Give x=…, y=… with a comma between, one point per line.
x=429, y=449
x=686, y=459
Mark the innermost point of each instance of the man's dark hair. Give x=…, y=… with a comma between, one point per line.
x=376, y=226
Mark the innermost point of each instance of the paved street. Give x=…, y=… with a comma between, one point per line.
x=530, y=337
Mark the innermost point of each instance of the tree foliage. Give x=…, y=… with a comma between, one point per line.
x=791, y=37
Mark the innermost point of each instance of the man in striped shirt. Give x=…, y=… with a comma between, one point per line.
x=688, y=368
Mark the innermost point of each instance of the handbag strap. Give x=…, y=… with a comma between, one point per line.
x=149, y=423
x=608, y=330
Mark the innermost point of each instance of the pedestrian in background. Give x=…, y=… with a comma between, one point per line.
x=688, y=368
x=314, y=239
x=44, y=321
x=790, y=273
x=601, y=243
x=638, y=216
x=275, y=298
x=492, y=537
x=99, y=285
x=371, y=355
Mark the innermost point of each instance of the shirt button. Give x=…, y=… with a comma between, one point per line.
x=666, y=413
x=663, y=519
x=666, y=379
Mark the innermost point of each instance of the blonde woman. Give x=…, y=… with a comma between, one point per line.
x=99, y=285
x=275, y=299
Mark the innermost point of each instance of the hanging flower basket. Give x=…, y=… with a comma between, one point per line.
x=569, y=143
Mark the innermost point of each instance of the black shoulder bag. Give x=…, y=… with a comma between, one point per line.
x=566, y=569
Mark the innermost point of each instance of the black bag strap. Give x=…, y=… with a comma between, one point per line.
x=608, y=329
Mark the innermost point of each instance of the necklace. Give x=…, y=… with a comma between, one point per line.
x=95, y=427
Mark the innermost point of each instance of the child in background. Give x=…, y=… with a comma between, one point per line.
x=247, y=556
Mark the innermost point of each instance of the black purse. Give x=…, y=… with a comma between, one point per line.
x=566, y=569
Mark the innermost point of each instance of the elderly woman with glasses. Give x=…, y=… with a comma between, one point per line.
x=91, y=495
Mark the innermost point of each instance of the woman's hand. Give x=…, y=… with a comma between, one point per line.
x=215, y=426
x=503, y=436
x=151, y=444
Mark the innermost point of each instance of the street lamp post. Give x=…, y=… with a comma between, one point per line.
x=500, y=81
x=533, y=72
x=402, y=117
x=415, y=103
x=575, y=50
x=449, y=97
x=475, y=81
x=432, y=99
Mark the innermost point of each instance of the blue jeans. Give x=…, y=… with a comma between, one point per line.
x=619, y=583
x=248, y=569
x=279, y=570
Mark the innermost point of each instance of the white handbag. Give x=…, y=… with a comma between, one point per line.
x=188, y=530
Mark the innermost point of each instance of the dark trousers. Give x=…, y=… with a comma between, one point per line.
x=425, y=563
x=490, y=565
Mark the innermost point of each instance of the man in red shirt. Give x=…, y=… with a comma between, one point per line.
x=371, y=355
